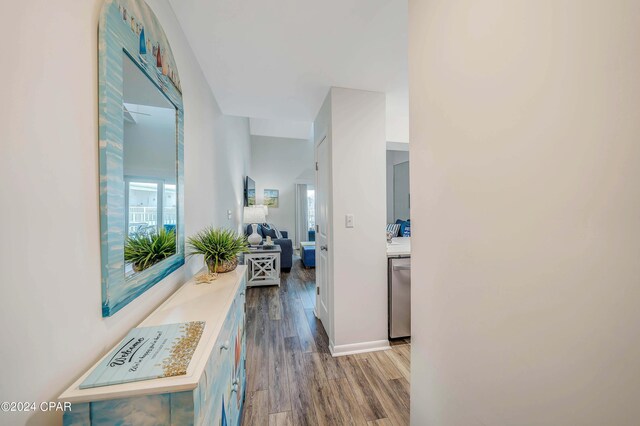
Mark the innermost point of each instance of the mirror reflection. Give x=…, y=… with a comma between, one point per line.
x=150, y=173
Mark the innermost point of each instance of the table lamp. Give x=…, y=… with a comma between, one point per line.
x=254, y=215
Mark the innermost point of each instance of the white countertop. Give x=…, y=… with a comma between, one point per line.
x=207, y=302
x=399, y=246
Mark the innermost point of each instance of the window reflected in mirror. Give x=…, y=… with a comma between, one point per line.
x=150, y=173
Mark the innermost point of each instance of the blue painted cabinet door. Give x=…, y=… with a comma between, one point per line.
x=227, y=389
x=238, y=372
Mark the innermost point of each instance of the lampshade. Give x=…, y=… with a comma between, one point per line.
x=254, y=214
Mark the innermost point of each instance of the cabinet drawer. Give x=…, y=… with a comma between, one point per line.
x=216, y=387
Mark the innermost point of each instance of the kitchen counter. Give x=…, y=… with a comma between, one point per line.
x=399, y=246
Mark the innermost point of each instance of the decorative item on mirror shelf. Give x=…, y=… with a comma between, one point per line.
x=220, y=248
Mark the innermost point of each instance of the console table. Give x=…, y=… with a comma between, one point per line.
x=212, y=391
x=263, y=265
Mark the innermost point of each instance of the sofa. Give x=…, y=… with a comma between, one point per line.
x=286, y=245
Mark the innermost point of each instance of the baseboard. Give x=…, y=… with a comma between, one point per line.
x=358, y=348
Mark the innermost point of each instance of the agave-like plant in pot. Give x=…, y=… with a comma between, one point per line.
x=145, y=250
x=220, y=248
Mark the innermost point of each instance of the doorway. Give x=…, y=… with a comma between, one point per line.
x=305, y=214
x=323, y=232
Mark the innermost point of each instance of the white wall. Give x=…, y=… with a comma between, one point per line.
x=397, y=119
x=358, y=164
x=218, y=180
x=51, y=325
x=525, y=213
x=280, y=163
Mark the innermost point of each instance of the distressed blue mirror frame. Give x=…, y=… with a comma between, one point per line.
x=129, y=27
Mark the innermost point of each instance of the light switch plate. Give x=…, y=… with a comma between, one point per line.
x=229, y=214
x=348, y=221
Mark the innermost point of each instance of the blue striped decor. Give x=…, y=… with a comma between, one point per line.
x=123, y=24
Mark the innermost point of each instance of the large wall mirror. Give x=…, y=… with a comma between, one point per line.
x=150, y=172
x=141, y=154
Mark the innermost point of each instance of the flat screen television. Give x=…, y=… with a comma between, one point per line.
x=249, y=192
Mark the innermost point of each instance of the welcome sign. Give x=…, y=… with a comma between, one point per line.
x=148, y=353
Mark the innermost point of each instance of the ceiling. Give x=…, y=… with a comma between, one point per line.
x=277, y=59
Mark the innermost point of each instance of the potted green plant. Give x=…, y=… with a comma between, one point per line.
x=220, y=248
x=145, y=250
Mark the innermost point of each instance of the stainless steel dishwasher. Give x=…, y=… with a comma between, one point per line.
x=399, y=297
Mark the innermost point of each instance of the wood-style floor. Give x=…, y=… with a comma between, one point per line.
x=292, y=379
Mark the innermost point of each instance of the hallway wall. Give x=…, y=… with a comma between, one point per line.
x=354, y=125
x=525, y=212
x=51, y=325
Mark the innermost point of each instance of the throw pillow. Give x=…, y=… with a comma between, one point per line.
x=403, y=224
x=270, y=230
x=394, y=229
x=278, y=233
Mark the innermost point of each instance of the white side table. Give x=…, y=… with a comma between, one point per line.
x=263, y=266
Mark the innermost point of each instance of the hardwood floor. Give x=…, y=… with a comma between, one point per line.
x=292, y=379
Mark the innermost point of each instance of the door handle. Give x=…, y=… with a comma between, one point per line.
x=401, y=268
x=324, y=248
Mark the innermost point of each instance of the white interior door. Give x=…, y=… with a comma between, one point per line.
x=322, y=235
